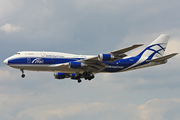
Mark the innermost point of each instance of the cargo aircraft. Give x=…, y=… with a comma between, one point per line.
x=76, y=67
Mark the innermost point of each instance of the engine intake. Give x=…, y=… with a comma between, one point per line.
x=76, y=65
x=105, y=57
x=61, y=75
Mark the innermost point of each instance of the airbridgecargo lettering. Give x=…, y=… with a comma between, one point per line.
x=76, y=67
x=121, y=67
x=54, y=56
x=38, y=60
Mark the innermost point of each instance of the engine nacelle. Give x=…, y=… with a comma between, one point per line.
x=105, y=57
x=60, y=75
x=76, y=65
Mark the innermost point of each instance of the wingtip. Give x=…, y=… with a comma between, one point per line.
x=138, y=45
x=175, y=53
x=141, y=44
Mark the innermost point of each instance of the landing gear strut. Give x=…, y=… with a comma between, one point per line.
x=23, y=75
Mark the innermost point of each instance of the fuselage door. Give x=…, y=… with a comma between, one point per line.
x=43, y=54
x=28, y=60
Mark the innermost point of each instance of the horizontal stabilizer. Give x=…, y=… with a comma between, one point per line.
x=162, y=58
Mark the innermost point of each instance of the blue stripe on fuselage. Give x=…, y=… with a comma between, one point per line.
x=38, y=60
x=120, y=64
x=116, y=66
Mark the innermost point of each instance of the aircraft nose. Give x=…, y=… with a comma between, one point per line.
x=6, y=61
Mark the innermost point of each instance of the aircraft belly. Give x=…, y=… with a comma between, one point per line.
x=65, y=69
x=31, y=67
x=45, y=68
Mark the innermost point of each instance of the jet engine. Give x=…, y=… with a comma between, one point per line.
x=61, y=75
x=76, y=65
x=105, y=57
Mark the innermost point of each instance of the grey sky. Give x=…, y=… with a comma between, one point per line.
x=89, y=27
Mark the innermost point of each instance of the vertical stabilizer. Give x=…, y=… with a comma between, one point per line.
x=156, y=48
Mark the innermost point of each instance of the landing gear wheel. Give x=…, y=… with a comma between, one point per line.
x=79, y=81
x=23, y=75
x=90, y=77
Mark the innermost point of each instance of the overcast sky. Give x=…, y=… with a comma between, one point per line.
x=89, y=27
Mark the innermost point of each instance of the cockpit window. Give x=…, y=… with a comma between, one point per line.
x=17, y=53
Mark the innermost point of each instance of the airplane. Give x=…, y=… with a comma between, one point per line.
x=76, y=67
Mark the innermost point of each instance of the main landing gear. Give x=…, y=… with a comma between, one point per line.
x=87, y=76
x=23, y=75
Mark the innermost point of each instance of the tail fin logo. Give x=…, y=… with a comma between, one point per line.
x=155, y=50
x=158, y=49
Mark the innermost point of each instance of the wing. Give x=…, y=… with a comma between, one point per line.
x=119, y=54
x=94, y=65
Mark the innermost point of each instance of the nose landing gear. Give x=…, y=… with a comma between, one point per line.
x=23, y=75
